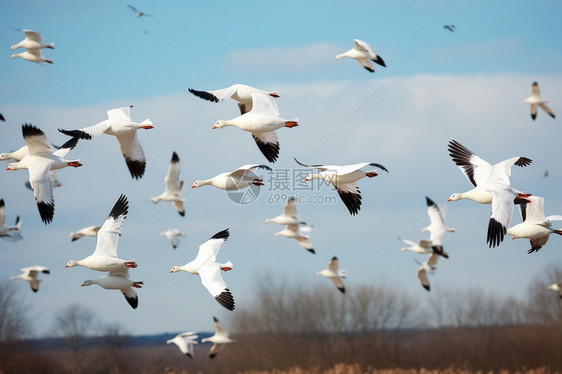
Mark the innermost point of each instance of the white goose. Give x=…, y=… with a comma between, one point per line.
x=86, y=231
x=219, y=340
x=6, y=231
x=33, y=55
x=30, y=273
x=300, y=234
x=535, y=226
x=362, y=52
x=118, y=281
x=334, y=274
x=261, y=122
x=427, y=266
x=240, y=178
x=174, y=236
x=104, y=257
x=39, y=161
x=556, y=287
x=33, y=40
x=436, y=227
x=344, y=179
x=208, y=269
x=185, y=342
x=535, y=99
x=241, y=93
x=173, y=186
x=491, y=186
x=120, y=125
x=289, y=216
x=423, y=246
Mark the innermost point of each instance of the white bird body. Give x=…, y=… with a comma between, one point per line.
x=185, y=342
x=556, y=287
x=489, y=181
x=86, y=231
x=174, y=186
x=363, y=53
x=30, y=273
x=241, y=93
x=426, y=267
x=535, y=226
x=105, y=257
x=33, y=40
x=7, y=231
x=33, y=55
x=240, y=178
x=344, y=179
x=261, y=122
x=333, y=273
x=289, y=216
x=535, y=100
x=208, y=269
x=300, y=234
x=174, y=236
x=120, y=125
x=422, y=247
x=219, y=339
x=118, y=281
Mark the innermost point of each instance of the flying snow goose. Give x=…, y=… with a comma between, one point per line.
x=39, y=161
x=138, y=12
x=300, y=234
x=240, y=178
x=344, y=179
x=449, y=27
x=535, y=99
x=104, y=257
x=535, y=226
x=362, y=52
x=208, y=269
x=185, y=342
x=289, y=216
x=118, y=281
x=334, y=274
x=86, y=231
x=15, y=234
x=33, y=40
x=427, y=266
x=423, y=246
x=220, y=338
x=241, y=93
x=436, y=227
x=174, y=236
x=173, y=186
x=556, y=287
x=30, y=273
x=6, y=230
x=120, y=125
x=33, y=55
x=261, y=122
x=491, y=186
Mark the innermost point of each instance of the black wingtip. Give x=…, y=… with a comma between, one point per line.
x=534, y=249
x=2, y=118
x=215, y=319
x=269, y=150
x=311, y=250
x=182, y=213
x=212, y=355
x=334, y=258
x=438, y=249
x=2, y=203
x=47, y=271
x=369, y=69
x=121, y=207
x=533, y=116
x=175, y=158
x=342, y=290
x=523, y=161
x=429, y=201
x=133, y=301
x=496, y=233
x=226, y=300
x=46, y=211
x=76, y=134
x=136, y=167
x=426, y=287
x=204, y=95
x=28, y=129
x=352, y=201
x=224, y=234
x=71, y=143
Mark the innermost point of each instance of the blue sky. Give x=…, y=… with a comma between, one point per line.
x=467, y=85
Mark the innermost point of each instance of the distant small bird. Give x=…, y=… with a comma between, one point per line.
x=185, y=342
x=300, y=234
x=289, y=216
x=33, y=55
x=344, y=179
x=86, y=231
x=6, y=231
x=240, y=178
x=535, y=226
x=241, y=93
x=427, y=266
x=436, y=228
x=451, y=28
x=219, y=340
x=120, y=125
x=334, y=274
x=173, y=186
x=174, y=236
x=138, y=12
x=362, y=52
x=118, y=281
x=33, y=40
x=556, y=287
x=535, y=99
x=261, y=122
x=208, y=269
x=423, y=246
x=545, y=174
x=491, y=186
x=30, y=273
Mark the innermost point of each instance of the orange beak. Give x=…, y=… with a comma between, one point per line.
x=306, y=179
x=214, y=127
x=66, y=266
x=449, y=200
x=192, y=186
x=171, y=271
x=147, y=127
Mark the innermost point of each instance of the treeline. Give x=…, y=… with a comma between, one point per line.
x=294, y=329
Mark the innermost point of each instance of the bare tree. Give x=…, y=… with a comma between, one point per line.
x=115, y=340
x=14, y=324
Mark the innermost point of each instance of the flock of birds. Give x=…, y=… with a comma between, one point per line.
x=260, y=117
